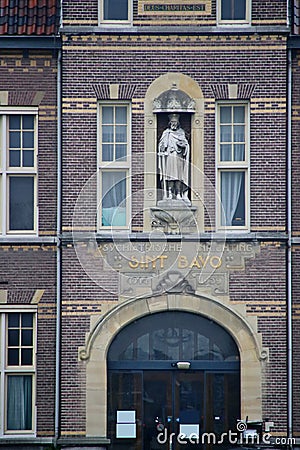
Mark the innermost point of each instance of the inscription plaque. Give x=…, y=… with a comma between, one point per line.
x=182, y=8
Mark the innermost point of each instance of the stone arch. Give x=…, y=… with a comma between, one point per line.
x=233, y=320
x=191, y=89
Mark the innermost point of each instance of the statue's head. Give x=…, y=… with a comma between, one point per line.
x=174, y=121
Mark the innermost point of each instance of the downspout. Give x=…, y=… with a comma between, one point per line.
x=58, y=256
x=289, y=249
x=58, y=232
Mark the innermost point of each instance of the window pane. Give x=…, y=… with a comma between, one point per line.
x=233, y=9
x=115, y=10
x=107, y=152
x=14, y=139
x=121, y=115
x=226, y=10
x=28, y=122
x=15, y=158
x=26, y=337
x=19, y=402
x=27, y=320
x=28, y=158
x=239, y=152
x=233, y=198
x=13, y=357
x=240, y=9
x=239, y=114
x=121, y=152
x=239, y=133
x=239, y=218
x=13, y=320
x=114, y=198
x=152, y=337
x=225, y=114
x=15, y=122
x=225, y=133
x=225, y=152
x=13, y=338
x=26, y=357
x=28, y=139
x=21, y=203
x=107, y=115
x=121, y=133
x=107, y=133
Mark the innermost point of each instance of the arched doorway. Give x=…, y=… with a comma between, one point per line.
x=171, y=372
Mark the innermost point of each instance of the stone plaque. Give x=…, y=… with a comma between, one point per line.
x=154, y=268
x=171, y=8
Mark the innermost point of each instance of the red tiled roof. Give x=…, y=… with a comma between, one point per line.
x=29, y=17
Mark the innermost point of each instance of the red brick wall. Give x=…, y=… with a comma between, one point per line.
x=256, y=66
x=30, y=80
x=26, y=78
x=86, y=12
x=258, y=63
x=24, y=269
x=296, y=337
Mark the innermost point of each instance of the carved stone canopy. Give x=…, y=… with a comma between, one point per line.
x=174, y=100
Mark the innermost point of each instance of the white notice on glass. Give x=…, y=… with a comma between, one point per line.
x=126, y=430
x=125, y=416
x=186, y=430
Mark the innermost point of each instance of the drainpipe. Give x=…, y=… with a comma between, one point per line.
x=58, y=256
x=289, y=249
x=58, y=232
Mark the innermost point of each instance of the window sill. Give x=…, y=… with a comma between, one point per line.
x=23, y=439
x=26, y=239
x=234, y=24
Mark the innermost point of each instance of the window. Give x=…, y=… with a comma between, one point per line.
x=114, y=166
x=232, y=166
x=18, y=173
x=17, y=373
x=115, y=11
x=233, y=11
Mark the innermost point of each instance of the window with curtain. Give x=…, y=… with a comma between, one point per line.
x=116, y=11
x=18, y=171
x=232, y=161
x=114, y=166
x=19, y=372
x=234, y=11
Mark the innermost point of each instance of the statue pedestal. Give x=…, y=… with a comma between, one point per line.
x=174, y=217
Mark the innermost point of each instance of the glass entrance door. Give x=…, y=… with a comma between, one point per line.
x=150, y=396
x=173, y=403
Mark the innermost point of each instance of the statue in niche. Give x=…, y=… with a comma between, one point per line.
x=173, y=156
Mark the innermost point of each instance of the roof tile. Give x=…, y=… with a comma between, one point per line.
x=29, y=17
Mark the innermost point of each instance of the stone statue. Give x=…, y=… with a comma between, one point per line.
x=174, y=152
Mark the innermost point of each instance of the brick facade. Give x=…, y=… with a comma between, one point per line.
x=28, y=265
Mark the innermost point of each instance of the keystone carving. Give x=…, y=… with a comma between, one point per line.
x=173, y=283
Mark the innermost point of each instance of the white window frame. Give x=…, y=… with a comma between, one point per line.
x=233, y=166
x=6, y=370
x=234, y=22
x=6, y=172
x=113, y=166
x=110, y=22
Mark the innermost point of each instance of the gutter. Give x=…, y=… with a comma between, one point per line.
x=30, y=42
x=289, y=250
x=58, y=256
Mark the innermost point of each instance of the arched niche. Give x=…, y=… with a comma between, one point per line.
x=236, y=323
x=155, y=115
